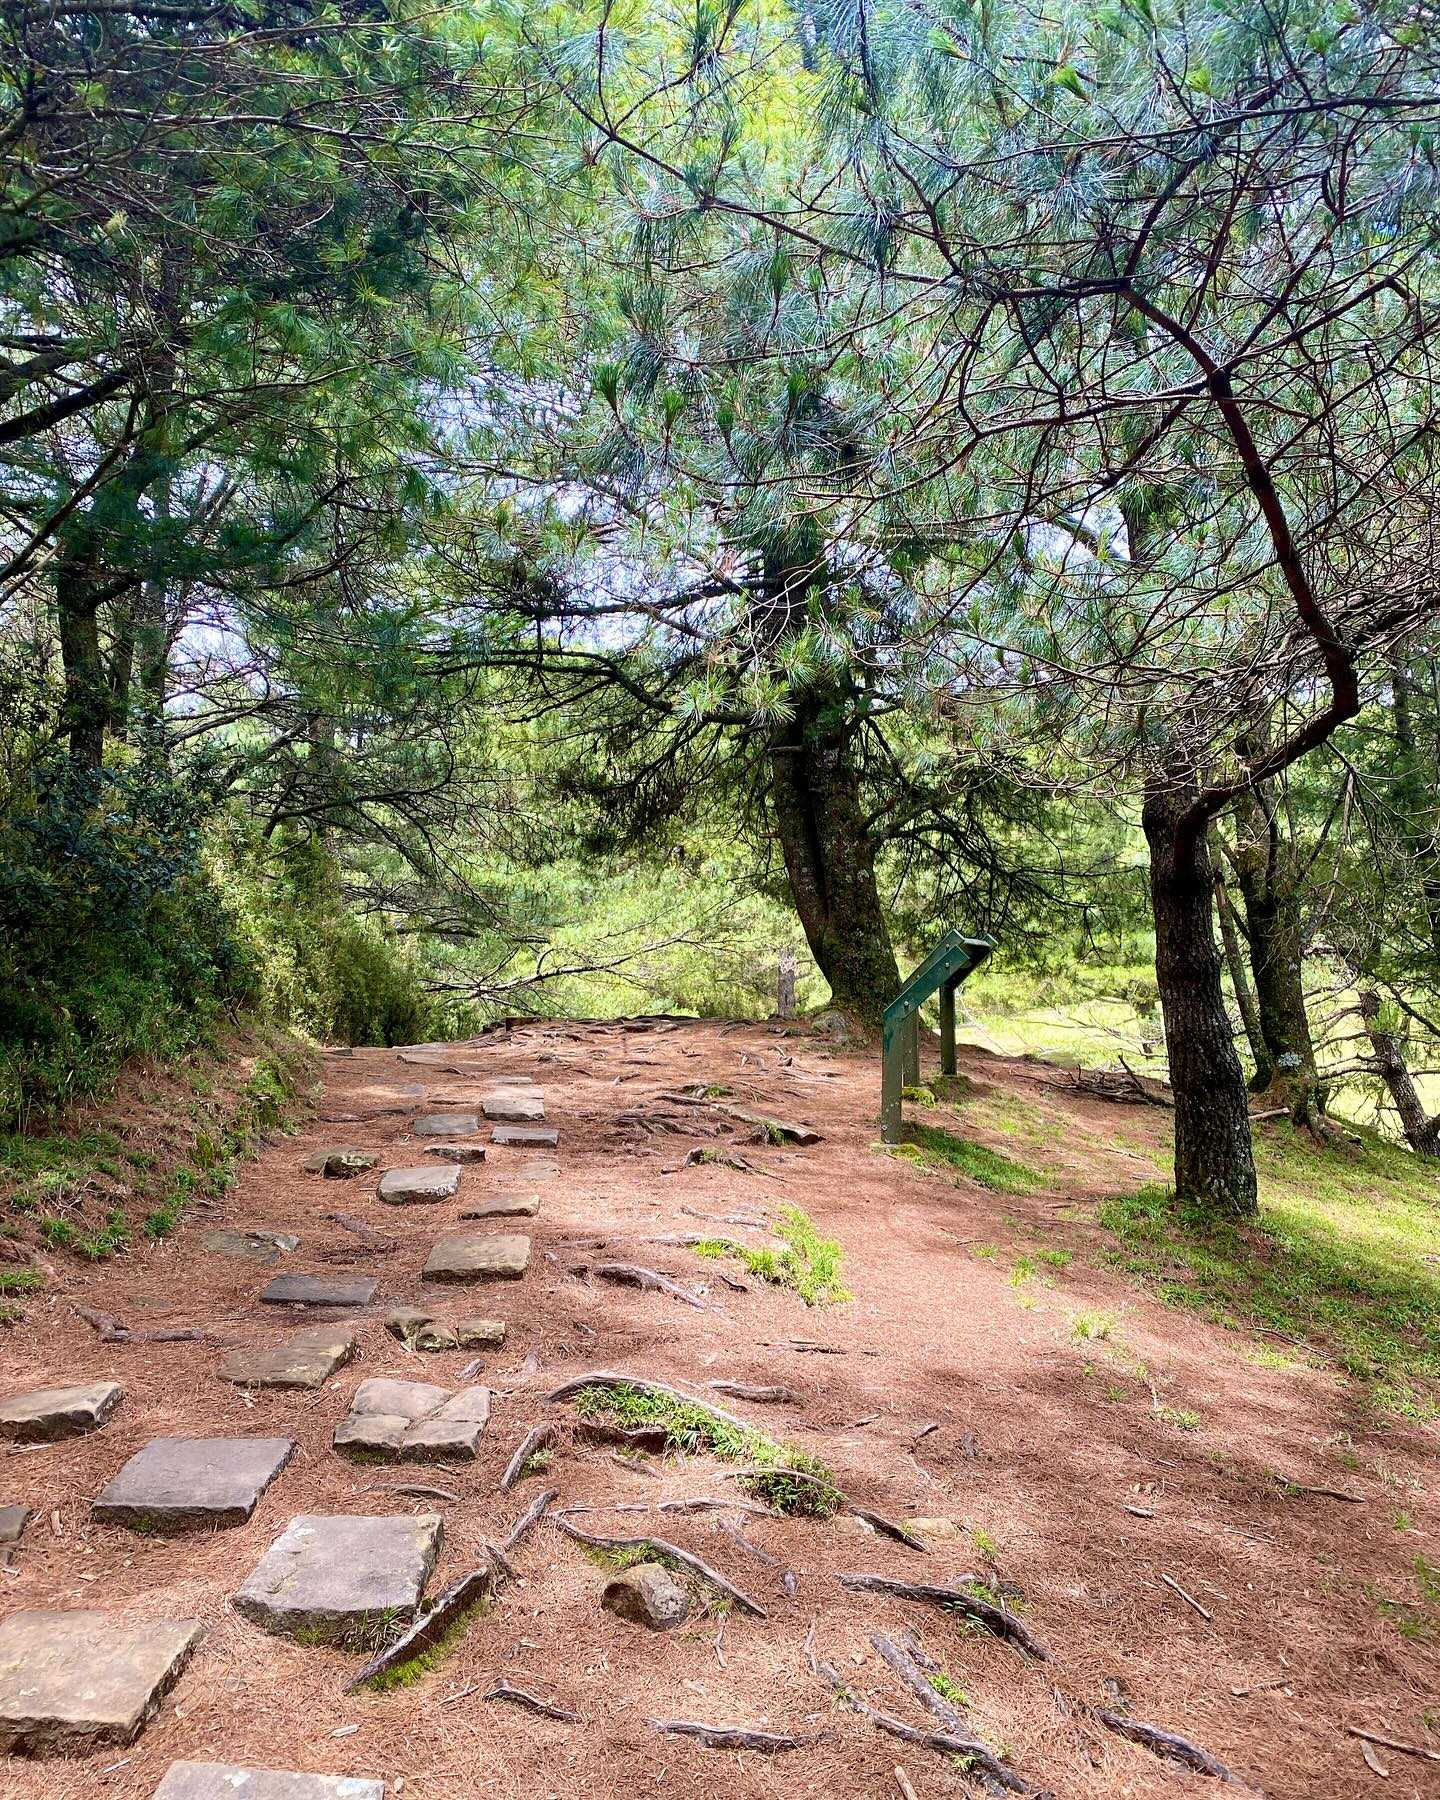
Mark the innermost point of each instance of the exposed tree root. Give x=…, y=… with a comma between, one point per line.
x=650, y=1280
x=994, y=1618
x=518, y=1696
x=532, y=1441
x=111, y=1331
x=668, y=1552
x=736, y=1737
x=1168, y=1744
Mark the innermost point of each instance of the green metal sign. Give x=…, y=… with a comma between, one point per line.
x=948, y=964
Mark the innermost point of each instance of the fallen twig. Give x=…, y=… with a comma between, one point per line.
x=736, y=1737
x=955, y=1598
x=1189, y=1599
x=518, y=1696
x=532, y=1441
x=1389, y=1743
x=670, y=1551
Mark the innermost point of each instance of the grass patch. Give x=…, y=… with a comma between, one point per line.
x=21, y=1281
x=693, y=1429
x=932, y=1147
x=1336, y=1263
x=804, y=1262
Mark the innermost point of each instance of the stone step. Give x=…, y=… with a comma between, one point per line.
x=414, y=1421
x=503, y=1206
x=227, y=1781
x=69, y=1680
x=446, y=1125
x=335, y=1580
x=472, y=1256
x=305, y=1359
x=254, y=1246
x=47, y=1414
x=320, y=1290
x=460, y=1153
x=419, y=1187
x=13, y=1520
x=525, y=1137
x=177, y=1483
x=515, y=1106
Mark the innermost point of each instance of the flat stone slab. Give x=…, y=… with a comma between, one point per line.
x=516, y=1105
x=419, y=1187
x=503, y=1206
x=480, y=1334
x=305, y=1359
x=446, y=1125
x=334, y=1580
x=460, y=1153
x=45, y=1414
x=471, y=1256
x=414, y=1421
x=226, y=1781
x=526, y=1137
x=341, y=1161
x=72, y=1679
x=12, y=1523
x=255, y=1246
x=320, y=1290
x=177, y=1482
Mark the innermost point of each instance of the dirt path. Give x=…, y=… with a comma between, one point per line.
x=956, y=1388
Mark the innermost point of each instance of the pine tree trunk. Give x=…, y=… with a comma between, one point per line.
x=1235, y=962
x=1214, y=1160
x=1275, y=927
x=1422, y=1133
x=830, y=859
x=86, y=706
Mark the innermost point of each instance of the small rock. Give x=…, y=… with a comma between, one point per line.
x=46, y=1414
x=935, y=1530
x=341, y=1161
x=515, y=1106
x=647, y=1595
x=12, y=1523
x=177, y=1483
x=480, y=1334
x=436, y=1337
x=405, y=1321
x=414, y=1420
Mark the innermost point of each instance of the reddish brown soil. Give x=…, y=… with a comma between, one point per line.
x=1029, y=1449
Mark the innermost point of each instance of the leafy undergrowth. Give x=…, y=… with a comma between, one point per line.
x=99, y=1181
x=932, y=1147
x=804, y=1262
x=1344, y=1262
x=694, y=1430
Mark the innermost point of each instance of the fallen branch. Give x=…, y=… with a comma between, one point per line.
x=1168, y=1744
x=375, y=1240
x=1320, y=1493
x=518, y=1696
x=1389, y=1743
x=736, y=1737
x=719, y=1503
x=948, y=1743
x=954, y=1599
x=111, y=1331
x=1189, y=1599
x=532, y=1441
x=670, y=1552
x=906, y=1666
x=651, y=1280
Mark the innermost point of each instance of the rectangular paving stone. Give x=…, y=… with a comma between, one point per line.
x=460, y=1153
x=419, y=1187
x=526, y=1137
x=414, y=1421
x=338, y=1579
x=305, y=1359
x=472, y=1256
x=514, y=1105
x=227, y=1781
x=320, y=1290
x=446, y=1125
x=503, y=1206
x=177, y=1482
x=480, y=1334
x=46, y=1414
x=72, y=1679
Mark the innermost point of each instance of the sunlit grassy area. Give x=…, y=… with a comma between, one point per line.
x=1343, y=1267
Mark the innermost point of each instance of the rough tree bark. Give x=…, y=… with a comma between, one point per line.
x=1236, y=963
x=1214, y=1161
x=1274, y=925
x=86, y=706
x=1422, y=1132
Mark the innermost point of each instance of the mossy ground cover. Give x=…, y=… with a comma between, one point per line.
x=1343, y=1265
x=803, y=1261
x=695, y=1430
x=933, y=1147
x=95, y=1189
